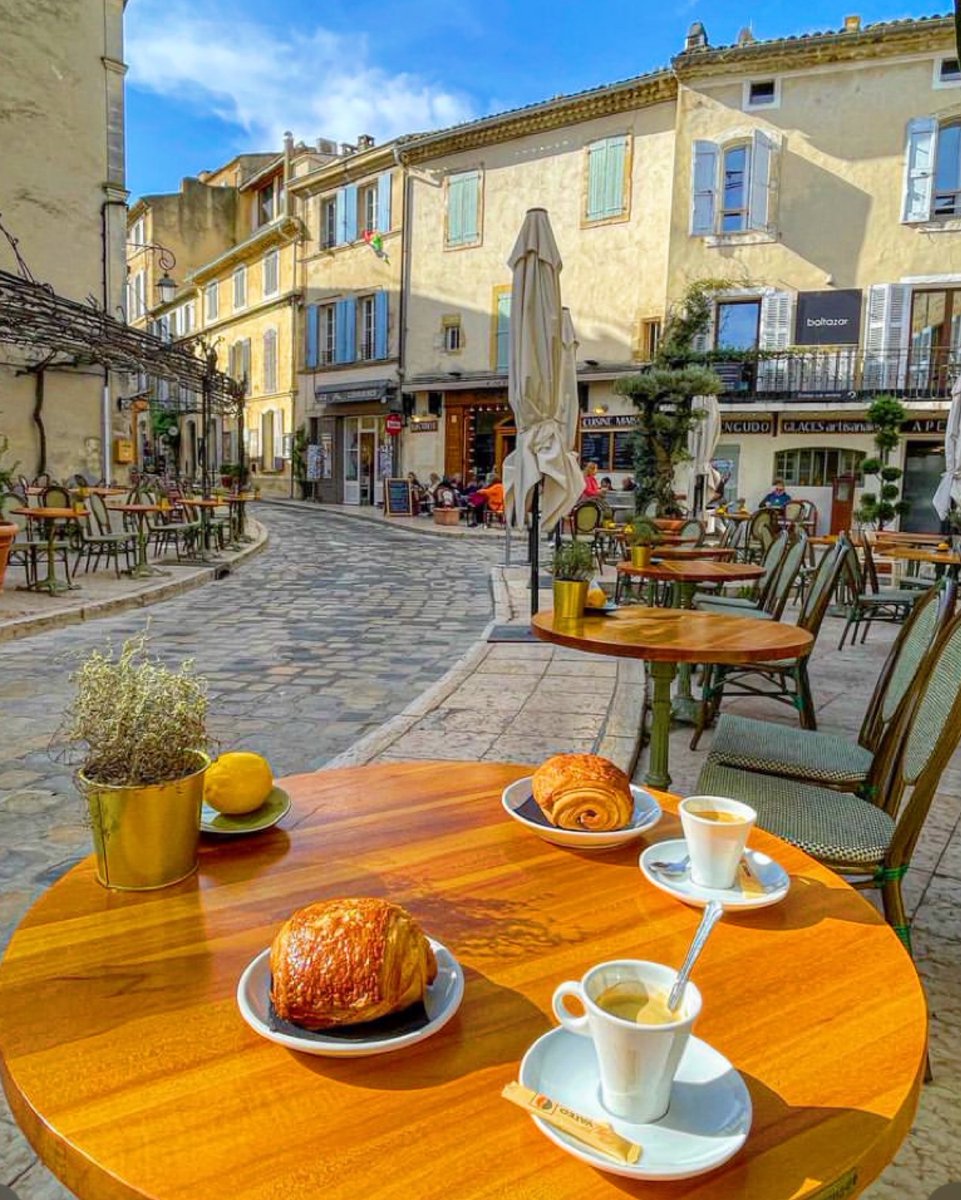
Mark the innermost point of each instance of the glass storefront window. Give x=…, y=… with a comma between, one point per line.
x=816, y=467
x=351, y=450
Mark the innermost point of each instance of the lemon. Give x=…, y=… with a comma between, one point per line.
x=238, y=782
x=596, y=598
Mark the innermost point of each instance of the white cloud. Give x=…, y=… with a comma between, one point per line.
x=267, y=80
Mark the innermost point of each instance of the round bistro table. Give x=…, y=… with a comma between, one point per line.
x=665, y=637
x=685, y=574
x=51, y=518
x=128, y=1065
x=678, y=552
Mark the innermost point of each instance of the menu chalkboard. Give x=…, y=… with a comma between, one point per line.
x=624, y=451
x=397, y=498
x=596, y=448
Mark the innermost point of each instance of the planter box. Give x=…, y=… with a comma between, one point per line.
x=446, y=516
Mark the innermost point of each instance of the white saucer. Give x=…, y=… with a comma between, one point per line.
x=769, y=874
x=520, y=804
x=441, y=1002
x=706, y=1124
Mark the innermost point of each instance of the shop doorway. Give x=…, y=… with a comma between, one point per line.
x=505, y=439
x=923, y=467
x=364, y=437
x=368, y=458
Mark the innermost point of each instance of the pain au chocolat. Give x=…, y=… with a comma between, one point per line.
x=341, y=962
x=583, y=791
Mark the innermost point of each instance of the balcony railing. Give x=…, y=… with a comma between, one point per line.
x=847, y=374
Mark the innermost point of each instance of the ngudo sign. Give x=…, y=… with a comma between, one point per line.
x=828, y=318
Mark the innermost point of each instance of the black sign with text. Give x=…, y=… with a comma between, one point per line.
x=828, y=318
x=398, y=501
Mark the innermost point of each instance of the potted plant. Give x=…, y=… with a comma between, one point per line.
x=643, y=538
x=954, y=527
x=8, y=531
x=138, y=731
x=572, y=568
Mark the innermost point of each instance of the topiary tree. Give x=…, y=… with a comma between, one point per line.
x=886, y=414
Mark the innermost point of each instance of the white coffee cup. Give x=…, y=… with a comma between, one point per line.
x=637, y=1062
x=715, y=846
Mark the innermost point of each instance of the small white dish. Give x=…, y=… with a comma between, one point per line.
x=276, y=805
x=520, y=804
x=441, y=1002
x=601, y=609
x=768, y=873
x=706, y=1124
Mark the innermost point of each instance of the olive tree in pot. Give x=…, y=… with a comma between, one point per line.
x=137, y=732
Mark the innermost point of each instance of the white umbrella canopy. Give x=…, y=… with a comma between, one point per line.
x=542, y=394
x=950, y=486
x=701, y=445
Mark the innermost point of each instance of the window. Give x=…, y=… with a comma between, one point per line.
x=452, y=335
x=947, y=72
x=328, y=328
x=463, y=209
x=272, y=273
x=932, y=170
x=368, y=208
x=239, y=361
x=240, y=288
x=138, y=235
x=371, y=327
x=935, y=340
x=737, y=325
x=188, y=318
x=612, y=450
x=137, y=296
x=266, y=205
x=733, y=186
x=608, y=190
x=502, y=329
x=762, y=93
x=328, y=222
x=366, y=331
x=211, y=302
x=816, y=467
x=650, y=338
x=270, y=360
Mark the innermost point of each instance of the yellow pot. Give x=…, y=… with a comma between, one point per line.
x=146, y=837
x=570, y=596
x=641, y=556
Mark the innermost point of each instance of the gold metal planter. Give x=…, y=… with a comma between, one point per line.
x=146, y=837
x=640, y=556
x=570, y=596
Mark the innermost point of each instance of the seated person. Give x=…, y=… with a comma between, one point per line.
x=628, y=485
x=420, y=499
x=778, y=498
x=606, y=484
x=445, y=495
x=591, y=486
x=489, y=499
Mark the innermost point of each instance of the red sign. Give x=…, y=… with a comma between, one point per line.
x=394, y=423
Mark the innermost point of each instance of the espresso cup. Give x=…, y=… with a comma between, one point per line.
x=637, y=1058
x=715, y=829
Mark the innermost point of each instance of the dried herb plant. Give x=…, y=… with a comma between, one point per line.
x=135, y=722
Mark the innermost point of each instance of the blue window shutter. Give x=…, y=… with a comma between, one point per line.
x=503, y=330
x=350, y=213
x=703, y=188
x=760, y=208
x=596, y=180
x=341, y=321
x=383, y=202
x=380, y=325
x=616, y=160
x=470, y=200
x=313, y=330
x=339, y=210
x=921, y=155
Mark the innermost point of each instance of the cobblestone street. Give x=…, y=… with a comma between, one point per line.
x=317, y=641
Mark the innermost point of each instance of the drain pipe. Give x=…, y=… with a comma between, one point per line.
x=405, y=236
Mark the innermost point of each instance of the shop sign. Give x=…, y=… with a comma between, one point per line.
x=423, y=426
x=619, y=421
x=763, y=425
x=352, y=394
x=925, y=425
x=839, y=425
x=393, y=423
x=828, y=318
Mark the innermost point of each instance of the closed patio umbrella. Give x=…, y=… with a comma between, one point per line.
x=541, y=392
x=950, y=486
x=701, y=445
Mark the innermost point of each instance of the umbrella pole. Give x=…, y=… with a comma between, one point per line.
x=535, y=548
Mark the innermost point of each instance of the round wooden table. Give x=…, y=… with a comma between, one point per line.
x=665, y=637
x=128, y=1065
x=677, y=552
x=141, y=569
x=685, y=574
x=51, y=518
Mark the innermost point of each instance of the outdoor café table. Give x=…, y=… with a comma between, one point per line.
x=206, y=507
x=665, y=637
x=672, y=552
x=939, y=558
x=51, y=518
x=129, y=1068
x=98, y=491
x=141, y=569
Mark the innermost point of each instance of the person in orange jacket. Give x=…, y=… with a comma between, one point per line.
x=489, y=498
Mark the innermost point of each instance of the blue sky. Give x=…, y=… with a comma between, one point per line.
x=211, y=78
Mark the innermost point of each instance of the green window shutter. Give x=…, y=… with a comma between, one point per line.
x=596, y=180
x=463, y=195
x=503, y=330
x=614, y=182
x=455, y=223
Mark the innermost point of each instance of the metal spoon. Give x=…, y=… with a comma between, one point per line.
x=673, y=870
x=712, y=914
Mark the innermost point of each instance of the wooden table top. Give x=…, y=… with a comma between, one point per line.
x=50, y=514
x=99, y=491
x=135, y=508
x=672, y=552
x=127, y=1062
x=943, y=558
x=695, y=570
x=676, y=635
x=200, y=502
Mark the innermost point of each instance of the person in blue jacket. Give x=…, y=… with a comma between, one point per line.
x=778, y=498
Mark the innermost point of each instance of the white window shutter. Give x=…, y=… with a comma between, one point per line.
x=760, y=213
x=920, y=157
x=703, y=188
x=774, y=333
x=885, y=343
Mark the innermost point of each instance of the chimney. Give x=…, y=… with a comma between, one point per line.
x=365, y=142
x=745, y=37
x=852, y=24
x=288, y=141
x=696, y=37
x=346, y=148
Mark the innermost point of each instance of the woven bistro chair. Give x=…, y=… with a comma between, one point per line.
x=869, y=602
x=100, y=535
x=786, y=681
x=762, y=529
x=870, y=842
x=693, y=529
x=782, y=580
x=826, y=759
x=25, y=547
x=762, y=587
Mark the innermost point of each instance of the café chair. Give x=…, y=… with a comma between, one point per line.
x=25, y=547
x=869, y=602
x=693, y=529
x=785, y=681
x=870, y=842
x=762, y=528
x=101, y=534
x=55, y=496
x=766, y=597
x=770, y=748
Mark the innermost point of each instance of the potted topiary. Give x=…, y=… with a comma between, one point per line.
x=138, y=731
x=572, y=568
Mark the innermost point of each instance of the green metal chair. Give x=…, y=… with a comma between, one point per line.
x=775, y=600
x=869, y=842
x=787, y=681
x=693, y=529
x=826, y=759
x=869, y=602
x=762, y=587
x=25, y=547
x=101, y=534
x=762, y=529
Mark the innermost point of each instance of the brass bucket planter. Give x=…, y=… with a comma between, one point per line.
x=640, y=556
x=570, y=596
x=146, y=837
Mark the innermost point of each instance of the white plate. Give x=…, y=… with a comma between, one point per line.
x=769, y=874
x=707, y=1122
x=519, y=803
x=276, y=805
x=441, y=1002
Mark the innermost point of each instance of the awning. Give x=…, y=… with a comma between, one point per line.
x=353, y=393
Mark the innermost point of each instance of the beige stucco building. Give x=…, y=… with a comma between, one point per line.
x=62, y=195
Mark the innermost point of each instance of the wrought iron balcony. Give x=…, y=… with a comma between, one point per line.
x=851, y=374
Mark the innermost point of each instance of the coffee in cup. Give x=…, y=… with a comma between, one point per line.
x=715, y=829
x=639, y=1042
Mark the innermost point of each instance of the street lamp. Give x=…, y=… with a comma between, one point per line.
x=166, y=286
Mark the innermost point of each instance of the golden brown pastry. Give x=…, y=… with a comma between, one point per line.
x=583, y=791
x=340, y=962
